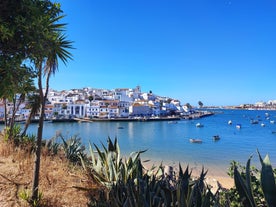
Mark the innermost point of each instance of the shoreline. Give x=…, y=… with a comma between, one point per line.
x=215, y=176
x=196, y=115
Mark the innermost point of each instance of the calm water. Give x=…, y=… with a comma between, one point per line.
x=170, y=142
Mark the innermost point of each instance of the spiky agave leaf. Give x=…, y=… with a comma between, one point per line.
x=248, y=183
x=242, y=188
x=268, y=181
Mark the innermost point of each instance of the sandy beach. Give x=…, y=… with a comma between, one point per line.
x=215, y=173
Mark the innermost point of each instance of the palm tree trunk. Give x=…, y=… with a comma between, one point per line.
x=39, y=139
x=5, y=113
x=28, y=121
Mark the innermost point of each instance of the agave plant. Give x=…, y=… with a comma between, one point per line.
x=107, y=166
x=244, y=186
x=73, y=148
x=52, y=146
x=156, y=190
x=129, y=184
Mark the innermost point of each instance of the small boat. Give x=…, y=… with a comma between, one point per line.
x=229, y=122
x=199, y=141
x=238, y=126
x=216, y=137
x=254, y=121
x=272, y=121
x=120, y=127
x=199, y=125
x=262, y=124
x=172, y=122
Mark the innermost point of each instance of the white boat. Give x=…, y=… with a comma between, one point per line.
x=272, y=121
x=262, y=124
x=238, y=126
x=199, y=125
x=172, y=122
x=199, y=141
x=229, y=122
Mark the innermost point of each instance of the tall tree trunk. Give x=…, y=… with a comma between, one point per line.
x=27, y=123
x=39, y=139
x=16, y=104
x=5, y=113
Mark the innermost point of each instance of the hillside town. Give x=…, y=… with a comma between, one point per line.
x=120, y=103
x=92, y=103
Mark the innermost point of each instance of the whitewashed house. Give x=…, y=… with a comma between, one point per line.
x=77, y=109
x=124, y=108
x=140, y=109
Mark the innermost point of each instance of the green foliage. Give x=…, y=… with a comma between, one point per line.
x=159, y=191
x=52, y=146
x=26, y=142
x=107, y=167
x=268, y=181
x=13, y=133
x=253, y=187
x=73, y=148
x=26, y=196
x=129, y=184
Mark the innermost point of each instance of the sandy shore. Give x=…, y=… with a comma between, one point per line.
x=215, y=173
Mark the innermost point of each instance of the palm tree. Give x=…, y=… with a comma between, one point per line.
x=34, y=105
x=200, y=104
x=188, y=105
x=57, y=49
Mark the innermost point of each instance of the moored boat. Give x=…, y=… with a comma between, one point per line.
x=199, y=125
x=254, y=121
x=262, y=124
x=238, y=126
x=199, y=141
x=216, y=137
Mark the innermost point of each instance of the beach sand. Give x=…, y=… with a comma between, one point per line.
x=216, y=174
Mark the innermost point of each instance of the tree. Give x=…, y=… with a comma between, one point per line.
x=30, y=32
x=15, y=84
x=33, y=104
x=200, y=104
x=55, y=48
x=90, y=98
x=188, y=105
x=15, y=39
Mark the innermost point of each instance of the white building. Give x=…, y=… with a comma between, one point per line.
x=140, y=109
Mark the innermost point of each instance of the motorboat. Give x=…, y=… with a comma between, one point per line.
x=254, y=121
x=216, y=137
x=262, y=124
x=229, y=122
x=199, y=125
x=238, y=126
x=199, y=141
x=172, y=122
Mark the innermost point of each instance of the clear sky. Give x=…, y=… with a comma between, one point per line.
x=219, y=52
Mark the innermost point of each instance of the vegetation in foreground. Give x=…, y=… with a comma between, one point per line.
x=101, y=177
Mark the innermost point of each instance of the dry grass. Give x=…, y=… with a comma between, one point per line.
x=60, y=183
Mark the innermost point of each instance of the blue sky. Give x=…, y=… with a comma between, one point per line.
x=220, y=52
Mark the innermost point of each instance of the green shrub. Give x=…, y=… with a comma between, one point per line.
x=253, y=187
x=128, y=183
x=73, y=148
x=107, y=167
